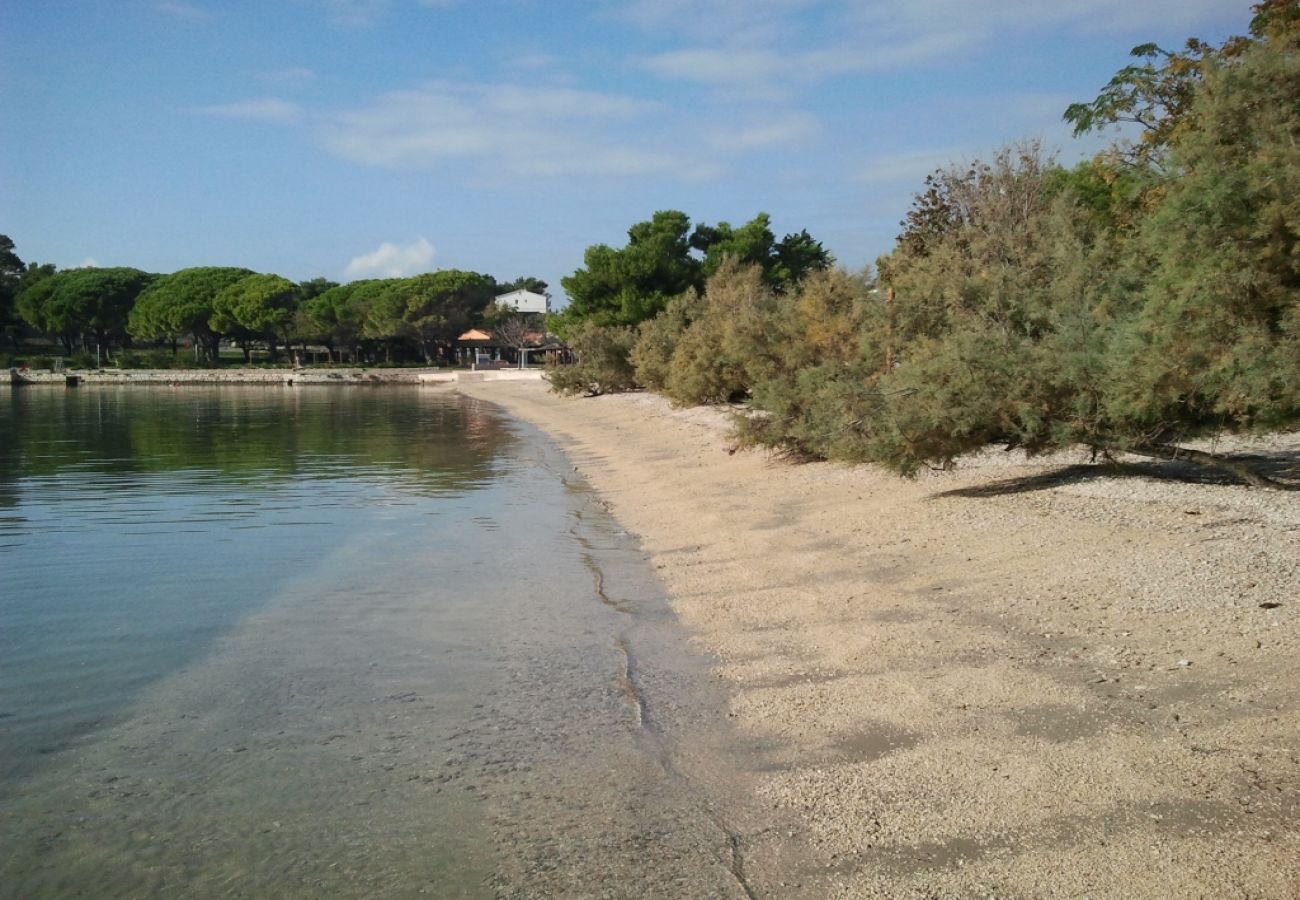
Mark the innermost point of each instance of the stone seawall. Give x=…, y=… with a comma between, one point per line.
x=264, y=376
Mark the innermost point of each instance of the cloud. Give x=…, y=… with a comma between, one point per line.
x=772, y=48
x=505, y=129
x=392, y=261
x=355, y=13
x=88, y=263
x=290, y=77
x=734, y=20
x=981, y=18
x=187, y=12
x=911, y=166
x=782, y=128
x=769, y=72
x=261, y=109
x=532, y=61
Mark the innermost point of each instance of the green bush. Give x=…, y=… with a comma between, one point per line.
x=657, y=339
x=603, y=363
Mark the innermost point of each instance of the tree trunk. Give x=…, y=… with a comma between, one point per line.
x=1236, y=469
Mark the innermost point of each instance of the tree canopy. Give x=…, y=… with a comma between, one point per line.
x=664, y=257
x=90, y=301
x=182, y=304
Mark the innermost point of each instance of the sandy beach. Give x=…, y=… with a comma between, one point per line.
x=1016, y=679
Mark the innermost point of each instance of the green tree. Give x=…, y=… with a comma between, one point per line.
x=437, y=307
x=1005, y=295
x=664, y=257
x=334, y=315
x=1217, y=342
x=256, y=307
x=181, y=304
x=783, y=263
x=11, y=274
x=78, y=305
x=629, y=285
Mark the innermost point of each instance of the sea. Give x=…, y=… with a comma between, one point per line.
x=267, y=641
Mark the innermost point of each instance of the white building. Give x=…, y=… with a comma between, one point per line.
x=525, y=301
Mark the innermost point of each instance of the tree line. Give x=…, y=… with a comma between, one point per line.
x=1131, y=303
x=388, y=319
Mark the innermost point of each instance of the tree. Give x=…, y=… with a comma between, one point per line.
x=783, y=263
x=516, y=332
x=1217, y=342
x=181, y=304
x=436, y=307
x=796, y=257
x=526, y=283
x=77, y=304
x=1155, y=95
x=602, y=364
x=665, y=257
x=12, y=270
x=1007, y=295
x=634, y=283
x=256, y=307
x=337, y=316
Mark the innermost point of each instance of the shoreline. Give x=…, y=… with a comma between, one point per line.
x=1020, y=678
x=288, y=377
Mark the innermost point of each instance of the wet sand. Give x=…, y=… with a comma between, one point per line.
x=1018, y=679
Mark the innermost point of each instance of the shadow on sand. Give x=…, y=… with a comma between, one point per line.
x=1282, y=467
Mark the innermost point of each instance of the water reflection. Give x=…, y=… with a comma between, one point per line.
x=246, y=434
x=139, y=524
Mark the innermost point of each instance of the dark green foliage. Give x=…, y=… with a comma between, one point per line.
x=632, y=284
x=11, y=273
x=602, y=364
x=434, y=308
x=80, y=305
x=664, y=258
x=181, y=305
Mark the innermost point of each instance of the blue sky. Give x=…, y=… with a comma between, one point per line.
x=353, y=138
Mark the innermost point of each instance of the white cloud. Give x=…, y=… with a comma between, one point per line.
x=291, y=77
x=355, y=12
x=187, y=12
x=532, y=61
x=770, y=48
x=393, y=261
x=261, y=109
x=911, y=166
x=980, y=18
x=769, y=72
x=782, y=128
x=511, y=130
x=88, y=263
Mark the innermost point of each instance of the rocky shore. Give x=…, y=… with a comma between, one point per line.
x=1022, y=678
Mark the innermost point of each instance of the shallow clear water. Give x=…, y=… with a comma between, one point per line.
x=335, y=642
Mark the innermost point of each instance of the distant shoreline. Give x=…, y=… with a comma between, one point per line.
x=288, y=377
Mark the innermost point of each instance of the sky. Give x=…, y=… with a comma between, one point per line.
x=365, y=138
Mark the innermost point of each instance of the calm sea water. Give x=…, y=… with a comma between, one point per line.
x=335, y=642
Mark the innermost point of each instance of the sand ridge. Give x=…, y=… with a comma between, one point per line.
x=1017, y=679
